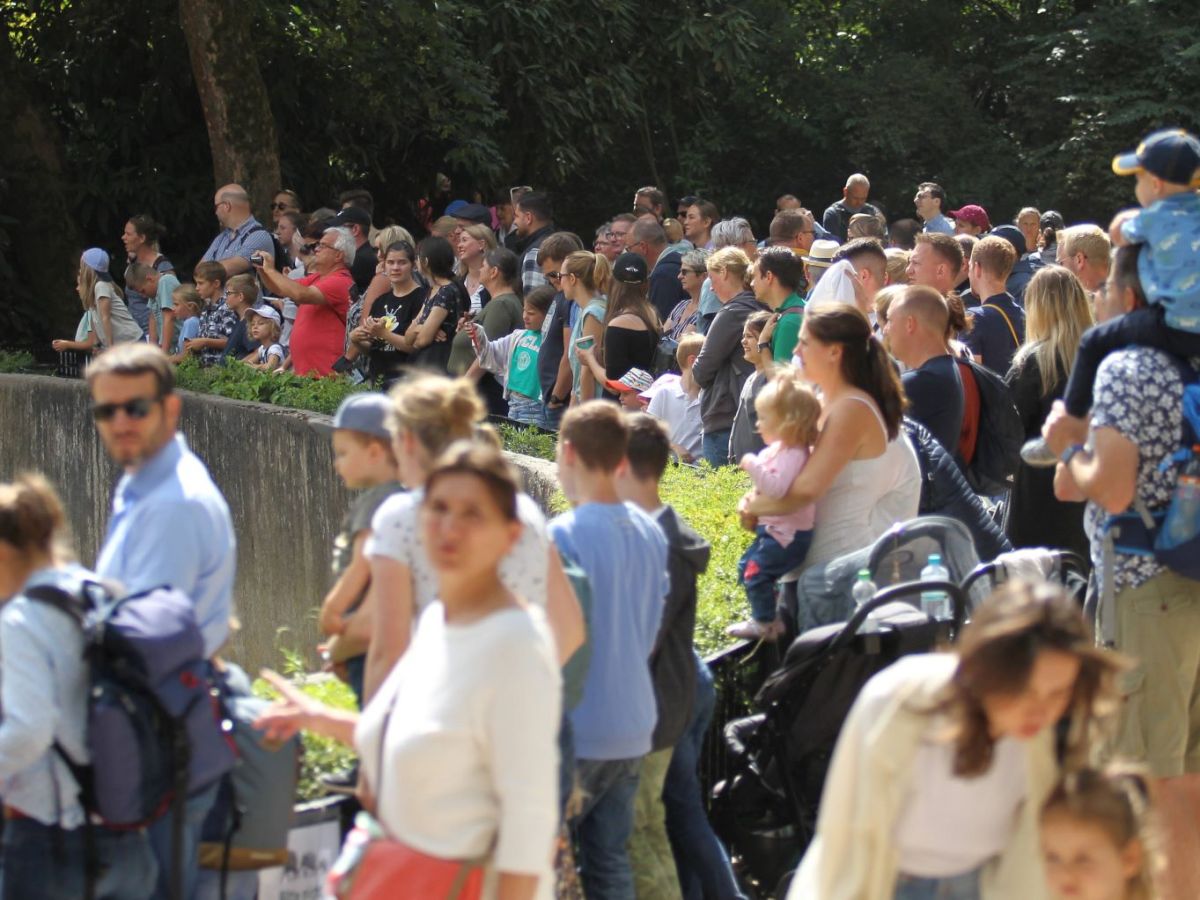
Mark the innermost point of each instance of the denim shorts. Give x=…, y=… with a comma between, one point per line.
x=956, y=887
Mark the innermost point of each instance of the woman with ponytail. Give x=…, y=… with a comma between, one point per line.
x=863, y=474
x=429, y=413
x=43, y=691
x=585, y=278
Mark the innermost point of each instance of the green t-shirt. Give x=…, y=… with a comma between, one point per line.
x=787, y=329
x=522, y=367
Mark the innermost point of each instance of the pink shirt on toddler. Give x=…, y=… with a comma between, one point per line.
x=773, y=470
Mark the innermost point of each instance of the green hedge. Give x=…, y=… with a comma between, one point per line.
x=241, y=382
x=12, y=361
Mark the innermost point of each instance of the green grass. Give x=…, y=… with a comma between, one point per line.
x=707, y=500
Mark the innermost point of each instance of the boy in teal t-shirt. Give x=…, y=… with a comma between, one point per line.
x=513, y=359
x=158, y=288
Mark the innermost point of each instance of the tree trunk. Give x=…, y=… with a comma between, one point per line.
x=241, y=127
x=45, y=242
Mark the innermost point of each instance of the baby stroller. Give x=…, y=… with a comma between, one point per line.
x=766, y=809
x=822, y=595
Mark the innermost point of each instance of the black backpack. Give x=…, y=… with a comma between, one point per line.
x=997, y=451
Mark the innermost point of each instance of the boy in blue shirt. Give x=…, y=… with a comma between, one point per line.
x=1166, y=165
x=624, y=553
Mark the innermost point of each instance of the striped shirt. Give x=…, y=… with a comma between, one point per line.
x=247, y=239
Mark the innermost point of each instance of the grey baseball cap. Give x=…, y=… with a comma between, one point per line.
x=367, y=413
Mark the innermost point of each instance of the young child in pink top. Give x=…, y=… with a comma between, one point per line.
x=788, y=411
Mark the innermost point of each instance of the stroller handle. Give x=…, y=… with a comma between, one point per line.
x=1063, y=561
x=901, y=592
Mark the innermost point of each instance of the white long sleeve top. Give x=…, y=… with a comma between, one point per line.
x=470, y=755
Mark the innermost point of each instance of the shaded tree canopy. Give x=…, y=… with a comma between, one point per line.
x=1006, y=103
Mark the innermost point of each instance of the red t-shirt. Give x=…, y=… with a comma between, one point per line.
x=319, y=335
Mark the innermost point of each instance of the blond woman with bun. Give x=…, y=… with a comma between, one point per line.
x=430, y=412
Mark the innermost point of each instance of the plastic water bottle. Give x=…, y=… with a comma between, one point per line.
x=935, y=604
x=1183, y=516
x=864, y=591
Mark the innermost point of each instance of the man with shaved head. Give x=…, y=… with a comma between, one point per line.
x=916, y=335
x=648, y=239
x=854, y=201
x=242, y=235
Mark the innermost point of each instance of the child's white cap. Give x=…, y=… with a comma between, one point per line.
x=267, y=312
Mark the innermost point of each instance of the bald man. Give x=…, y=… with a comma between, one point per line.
x=916, y=335
x=241, y=236
x=854, y=201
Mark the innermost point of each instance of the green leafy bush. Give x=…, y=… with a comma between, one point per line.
x=15, y=361
x=241, y=382
x=322, y=755
x=528, y=441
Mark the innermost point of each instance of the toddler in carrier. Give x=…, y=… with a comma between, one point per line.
x=1165, y=165
x=788, y=411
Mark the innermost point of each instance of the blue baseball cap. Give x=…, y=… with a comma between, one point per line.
x=367, y=413
x=1012, y=234
x=1173, y=155
x=454, y=206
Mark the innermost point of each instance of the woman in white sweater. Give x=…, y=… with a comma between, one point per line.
x=945, y=759
x=459, y=746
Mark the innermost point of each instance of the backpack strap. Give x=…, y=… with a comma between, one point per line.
x=1007, y=321
x=71, y=605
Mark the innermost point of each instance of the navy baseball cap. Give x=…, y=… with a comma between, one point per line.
x=367, y=413
x=1012, y=234
x=1173, y=155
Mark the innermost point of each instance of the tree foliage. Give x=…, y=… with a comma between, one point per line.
x=1005, y=102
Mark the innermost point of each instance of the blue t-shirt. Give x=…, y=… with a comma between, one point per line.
x=624, y=553
x=188, y=329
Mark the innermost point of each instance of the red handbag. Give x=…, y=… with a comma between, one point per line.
x=374, y=867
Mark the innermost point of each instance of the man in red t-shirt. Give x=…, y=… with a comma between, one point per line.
x=319, y=335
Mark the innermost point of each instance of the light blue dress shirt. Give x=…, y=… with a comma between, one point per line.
x=172, y=493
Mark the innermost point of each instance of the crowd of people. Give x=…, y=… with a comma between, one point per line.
x=530, y=696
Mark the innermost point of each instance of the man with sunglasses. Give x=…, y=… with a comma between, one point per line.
x=165, y=490
x=242, y=235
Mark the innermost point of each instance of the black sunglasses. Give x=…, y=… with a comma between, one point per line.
x=137, y=408
x=309, y=248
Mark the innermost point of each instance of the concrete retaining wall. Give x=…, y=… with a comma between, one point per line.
x=273, y=465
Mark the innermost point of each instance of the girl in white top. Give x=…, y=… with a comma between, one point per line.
x=459, y=747
x=942, y=766
x=106, y=320
x=429, y=412
x=863, y=474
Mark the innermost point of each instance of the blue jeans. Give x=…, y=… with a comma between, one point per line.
x=604, y=826
x=701, y=860
x=41, y=862
x=198, y=806
x=551, y=417
x=566, y=763
x=715, y=447
x=764, y=563
x=526, y=411
x=958, y=887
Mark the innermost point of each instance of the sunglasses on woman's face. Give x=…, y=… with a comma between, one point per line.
x=280, y=206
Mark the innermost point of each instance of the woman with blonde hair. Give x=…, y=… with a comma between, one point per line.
x=722, y=368
x=471, y=246
x=941, y=769
x=1056, y=315
x=106, y=319
x=429, y=413
x=585, y=278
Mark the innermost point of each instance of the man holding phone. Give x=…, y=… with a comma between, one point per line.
x=323, y=298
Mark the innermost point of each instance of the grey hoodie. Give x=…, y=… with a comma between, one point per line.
x=672, y=663
x=721, y=368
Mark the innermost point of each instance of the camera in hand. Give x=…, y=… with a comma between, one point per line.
x=257, y=260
